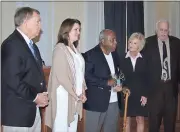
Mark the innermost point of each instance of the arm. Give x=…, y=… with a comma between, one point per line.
x=13, y=72
x=90, y=77
x=147, y=76
x=145, y=88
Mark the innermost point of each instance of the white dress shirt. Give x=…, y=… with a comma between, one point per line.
x=113, y=97
x=133, y=59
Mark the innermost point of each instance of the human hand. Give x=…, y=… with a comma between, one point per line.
x=42, y=99
x=143, y=101
x=118, y=88
x=82, y=98
x=112, y=82
x=126, y=90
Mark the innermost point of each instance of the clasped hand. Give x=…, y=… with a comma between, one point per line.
x=143, y=101
x=113, y=83
x=42, y=99
x=82, y=98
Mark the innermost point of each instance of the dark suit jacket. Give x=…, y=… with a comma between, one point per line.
x=136, y=80
x=152, y=55
x=22, y=79
x=97, y=73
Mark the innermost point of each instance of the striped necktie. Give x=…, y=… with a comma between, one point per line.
x=165, y=70
x=33, y=50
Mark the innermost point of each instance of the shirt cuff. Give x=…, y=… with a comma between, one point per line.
x=35, y=98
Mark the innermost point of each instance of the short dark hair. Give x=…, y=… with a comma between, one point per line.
x=64, y=30
x=22, y=14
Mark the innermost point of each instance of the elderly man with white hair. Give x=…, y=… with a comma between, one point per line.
x=162, y=55
x=101, y=64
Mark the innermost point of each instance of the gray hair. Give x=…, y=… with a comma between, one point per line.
x=161, y=20
x=140, y=37
x=22, y=14
x=102, y=34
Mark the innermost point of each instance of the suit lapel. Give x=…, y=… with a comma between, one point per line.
x=27, y=49
x=129, y=64
x=102, y=57
x=115, y=62
x=156, y=56
x=138, y=63
x=157, y=53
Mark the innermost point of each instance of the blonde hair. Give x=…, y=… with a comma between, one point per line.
x=140, y=37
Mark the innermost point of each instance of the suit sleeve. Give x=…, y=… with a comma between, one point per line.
x=13, y=70
x=146, y=87
x=147, y=78
x=178, y=66
x=90, y=77
x=41, y=63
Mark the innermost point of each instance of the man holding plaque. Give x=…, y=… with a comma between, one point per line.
x=101, y=71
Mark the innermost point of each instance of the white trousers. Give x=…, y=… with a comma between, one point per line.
x=61, y=120
x=35, y=128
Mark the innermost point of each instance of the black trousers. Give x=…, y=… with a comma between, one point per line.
x=161, y=105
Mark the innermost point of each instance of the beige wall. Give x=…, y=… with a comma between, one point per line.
x=162, y=9
x=63, y=10
x=155, y=11
x=0, y=21
x=8, y=9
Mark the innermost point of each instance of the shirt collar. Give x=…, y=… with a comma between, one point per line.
x=160, y=41
x=24, y=36
x=108, y=54
x=128, y=55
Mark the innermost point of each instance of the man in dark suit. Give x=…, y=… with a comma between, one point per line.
x=23, y=88
x=101, y=63
x=161, y=53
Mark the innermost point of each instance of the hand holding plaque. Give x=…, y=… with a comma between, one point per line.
x=119, y=78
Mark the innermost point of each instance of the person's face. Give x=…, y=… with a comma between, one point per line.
x=110, y=41
x=33, y=25
x=37, y=38
x=133, y=45
x=163, y=31
x=74, y=34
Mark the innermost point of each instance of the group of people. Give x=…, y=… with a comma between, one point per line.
x=151, y=69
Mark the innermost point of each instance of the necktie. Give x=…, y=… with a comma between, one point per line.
x=164, y=51
x=165, y=70
x=33, y=50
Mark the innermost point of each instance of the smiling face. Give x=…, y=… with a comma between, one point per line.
x=74, y=34
x=162, y=30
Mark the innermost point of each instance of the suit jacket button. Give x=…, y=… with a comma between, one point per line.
x=41, y=83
